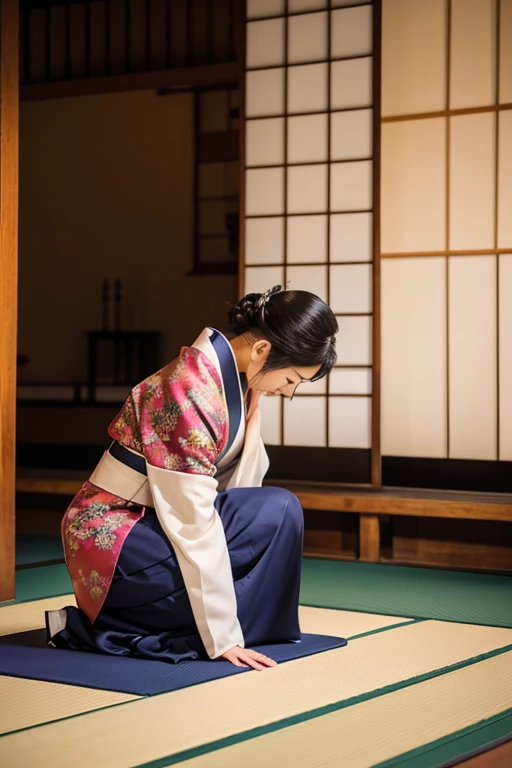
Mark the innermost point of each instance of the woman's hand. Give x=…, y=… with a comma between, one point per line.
x=244, y=657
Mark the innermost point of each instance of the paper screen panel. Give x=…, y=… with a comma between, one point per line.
x=306, y=238
x=264, y=240
x=351, y=32
x=270, y=414
x=260, y=279
x=265, y=92
x=299, y=6
x=414, y=376
x=265, y=43
x=351, y=135
x=265, y=141
x=351, y=288
x=307, y=38
x=472, y=53
x=472, y=181
x=472, y=357
x=354, y=341
x=312, y=279
x=307, y=188
x=505, y=356
x=351, y=236
x=413, y=186
x=304, y=421
x=351, y=186
x=350, y=422
x=351, y=83
x=505, y=181
x=307, y=139
x=505, y=52
x=350, y=381
x=307, y=88
x=413, y=56
x=264, y=191
x=263, y=8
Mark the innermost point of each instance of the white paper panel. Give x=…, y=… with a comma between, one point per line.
x=413, y=186
x=264, y=191
x=350, y=422
x=505, y=181
x=351, y=83
x=307, y=139
x=307, y=188
x=506, y=52
x=472, y=181
x=262, y=8
x=307, y=88
x=354, y=341
x=265, y=43
x=505, y=336
x=413, y=56
x=270, y=414
x=472, y=357
x=306, y=238
x=350, y=381
x=351, y=288
x=312, y=279
x=473, y=53
x=351, y=134
x=264, y=241
x=304, y=421
x=414, y=357
x=260, y=279
x=265, y=92
x=351, y=32
x=265, y=141
x=296, y=6
x=351, y=186
x=307, y=38
x=351, y=237
x=312, y=388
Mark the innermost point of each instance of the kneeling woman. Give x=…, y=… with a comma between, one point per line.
x=174, y=548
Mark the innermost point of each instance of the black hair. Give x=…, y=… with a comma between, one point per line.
x=300, y=327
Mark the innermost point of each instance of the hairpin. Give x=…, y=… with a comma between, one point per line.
x=265, y=297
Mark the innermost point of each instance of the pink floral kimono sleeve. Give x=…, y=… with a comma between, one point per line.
x=178, y=420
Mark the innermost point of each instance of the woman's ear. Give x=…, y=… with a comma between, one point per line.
x=260, y=351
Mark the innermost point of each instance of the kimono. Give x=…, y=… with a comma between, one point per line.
x=174, y=549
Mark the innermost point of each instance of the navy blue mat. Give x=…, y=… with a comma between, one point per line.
x=24, y=655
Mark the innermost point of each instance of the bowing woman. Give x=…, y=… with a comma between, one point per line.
x=174, y=548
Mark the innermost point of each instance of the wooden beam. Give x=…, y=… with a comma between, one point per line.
x=8, y=285
x=185, y=79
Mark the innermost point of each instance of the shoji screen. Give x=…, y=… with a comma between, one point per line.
x=309, y=199
x=447, y=239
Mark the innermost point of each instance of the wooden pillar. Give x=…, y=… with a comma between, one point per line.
x=9, y=15
x=369, y=538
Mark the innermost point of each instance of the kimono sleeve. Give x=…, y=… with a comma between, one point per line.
x=184, y=428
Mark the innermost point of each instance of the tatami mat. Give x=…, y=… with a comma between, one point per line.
x=432, y=710
x=153, y=728
x=25, y=703
x=22, y=617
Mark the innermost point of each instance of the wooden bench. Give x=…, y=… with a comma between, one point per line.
x=369, y=505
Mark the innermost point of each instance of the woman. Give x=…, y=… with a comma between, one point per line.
x=173, y=547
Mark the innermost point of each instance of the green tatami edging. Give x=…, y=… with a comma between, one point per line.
x=419, y=593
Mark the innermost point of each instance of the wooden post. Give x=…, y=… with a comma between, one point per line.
x=369, y=538
x=9, y=87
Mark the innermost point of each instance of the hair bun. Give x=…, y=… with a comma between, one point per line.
x=244, y=315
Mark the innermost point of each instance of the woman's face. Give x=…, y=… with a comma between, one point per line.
x=283, y=381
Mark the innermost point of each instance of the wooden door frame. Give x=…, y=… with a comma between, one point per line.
x=9, y=136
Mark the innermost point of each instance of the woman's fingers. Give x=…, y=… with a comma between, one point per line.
x=245, y=657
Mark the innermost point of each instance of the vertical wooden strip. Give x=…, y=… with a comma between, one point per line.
x=447, y=239
x=376, y=450
x=240, y=32
x=496, y=209
x=369, y=538
x=9, y=122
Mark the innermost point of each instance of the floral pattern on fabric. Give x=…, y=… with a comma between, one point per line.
x=177, y=419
